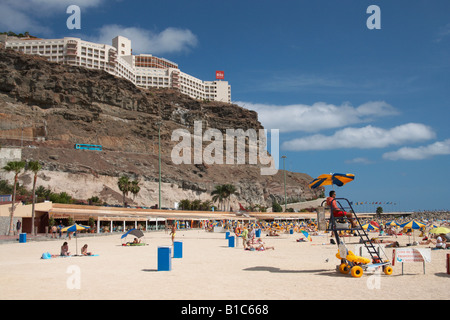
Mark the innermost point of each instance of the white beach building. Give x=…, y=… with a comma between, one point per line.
x=144, y=70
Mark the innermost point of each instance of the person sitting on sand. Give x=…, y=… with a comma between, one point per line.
x=441, y=241
x=261, y=247
x=273, y=233
x=65, y=249
x=391, y=232
x=336, y=211
x=84, y=251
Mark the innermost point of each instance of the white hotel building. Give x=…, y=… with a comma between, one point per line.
x=144, y=70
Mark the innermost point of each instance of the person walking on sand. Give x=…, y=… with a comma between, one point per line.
x=18, y=226
x=244, y=235
x=54, y=230
x=60, y=226
x=174, y=229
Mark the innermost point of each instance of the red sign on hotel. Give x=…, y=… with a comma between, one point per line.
x=220, y=75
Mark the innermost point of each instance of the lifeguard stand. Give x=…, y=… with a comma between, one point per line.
x=340, y=224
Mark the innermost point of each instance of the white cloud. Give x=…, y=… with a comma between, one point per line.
x=170, y=40
x=420, y=153
x=45, y=5
x=360, y=160
x=29, y=15
x=362, y=138
x=318, y=116
x=14, y=19
x=443, y=33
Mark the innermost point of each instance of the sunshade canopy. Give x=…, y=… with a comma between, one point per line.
x=338, y=179
x=413, y=224
x=369, y=227
x=75, y=227
x=440, y=230
x=135, y=232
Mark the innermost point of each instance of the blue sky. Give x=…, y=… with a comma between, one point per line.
x=346, y=98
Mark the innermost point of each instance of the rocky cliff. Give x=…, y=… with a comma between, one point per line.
x=48, y=107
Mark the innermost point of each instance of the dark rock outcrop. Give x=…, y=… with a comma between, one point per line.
x=52, y=106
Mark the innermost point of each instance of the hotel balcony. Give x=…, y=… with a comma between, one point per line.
x=72, y=44
x=71, y=52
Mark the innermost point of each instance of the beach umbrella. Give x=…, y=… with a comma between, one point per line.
x=369, y=227
x=374, y=223
x=392, y=224
x=338, y=179
x=413, y=224
x=307, y=236
x=322, y=180
x=134, y=232
x=74, y=228
x=440, y=230
x=341, y=179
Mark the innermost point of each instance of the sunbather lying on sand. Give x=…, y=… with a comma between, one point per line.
x=391, y=244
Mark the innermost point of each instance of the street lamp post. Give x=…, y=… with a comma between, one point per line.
x=285, y=198
x=159, y=152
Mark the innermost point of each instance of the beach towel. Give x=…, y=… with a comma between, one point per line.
x=47, y=255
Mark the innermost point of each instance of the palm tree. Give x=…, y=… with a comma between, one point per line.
x=185, y=204
x=218, y=194
x=35, y=167
x=229, y=190
x=196, y=204
x=206, y=205
x=134, y=189
x=124, y=185
x=16, y=167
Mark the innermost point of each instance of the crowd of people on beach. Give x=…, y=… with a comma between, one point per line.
x=251, y=242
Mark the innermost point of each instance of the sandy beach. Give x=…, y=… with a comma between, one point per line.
x=209, y=270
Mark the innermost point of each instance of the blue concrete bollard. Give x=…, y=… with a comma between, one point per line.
x=178, y=249
x=23, y=238
x=231, y=241
x=164, y=259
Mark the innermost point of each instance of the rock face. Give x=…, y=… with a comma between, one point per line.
x=50, y=107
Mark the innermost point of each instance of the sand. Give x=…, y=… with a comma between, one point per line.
x=209, y=270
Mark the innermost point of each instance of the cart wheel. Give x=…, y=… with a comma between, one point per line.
x=356, y=272
x=344, y=268
x=388, y=270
